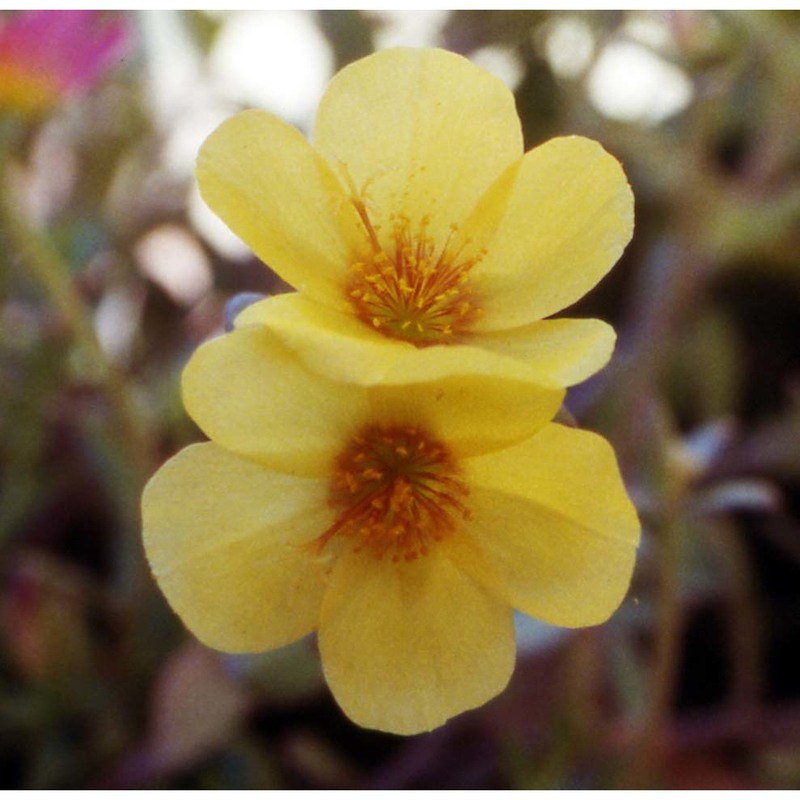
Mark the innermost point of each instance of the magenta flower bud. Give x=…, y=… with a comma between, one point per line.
x=49, y=56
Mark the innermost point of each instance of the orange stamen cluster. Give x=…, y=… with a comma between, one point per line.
x=398, y=493
x=411, y=289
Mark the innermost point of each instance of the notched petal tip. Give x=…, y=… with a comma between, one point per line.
x=419, y=132
x=405, y=649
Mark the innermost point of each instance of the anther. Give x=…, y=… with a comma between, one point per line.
x=406, y=288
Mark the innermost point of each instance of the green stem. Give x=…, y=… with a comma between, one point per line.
x=746, y=645
x=647, y=752
x=44, y=263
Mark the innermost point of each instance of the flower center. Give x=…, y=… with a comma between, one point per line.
x=412, y=290
x=397, y=492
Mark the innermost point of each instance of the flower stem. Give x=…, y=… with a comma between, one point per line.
x=647, y=752
x=44, y=263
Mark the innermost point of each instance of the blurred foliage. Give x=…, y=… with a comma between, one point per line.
x=107, y=284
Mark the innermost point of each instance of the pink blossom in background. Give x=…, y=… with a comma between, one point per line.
x=46, y=56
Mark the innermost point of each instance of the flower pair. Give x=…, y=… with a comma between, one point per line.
x=383, y=468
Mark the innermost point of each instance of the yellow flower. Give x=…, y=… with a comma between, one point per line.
x=415, y=221
x=402, y=521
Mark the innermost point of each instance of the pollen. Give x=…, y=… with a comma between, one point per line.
x=408, y=287
x=397, y=493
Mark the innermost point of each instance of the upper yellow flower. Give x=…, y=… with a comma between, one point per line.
x=415, y=220
x=402, y=521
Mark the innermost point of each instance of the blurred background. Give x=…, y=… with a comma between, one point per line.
x=112, y=272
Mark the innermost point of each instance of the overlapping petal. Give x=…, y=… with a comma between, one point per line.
x=566, y=350
x=340, y=346
x=552, y=531
x=517, y=397
x=253, y=396
x=406, y=646
x=265, y=181
x=225, y=538
x=552, y=225
x=418, y=132
x=550, y=353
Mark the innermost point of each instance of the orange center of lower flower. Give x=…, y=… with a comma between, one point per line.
x=410, y=289
x=397, y=492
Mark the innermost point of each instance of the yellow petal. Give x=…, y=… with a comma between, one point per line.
x=551, y=353
x=553, y=531
x=252, y=396
x=469, y=413
x=263, y=178
x=418, y=132
x=567, y=350
x=223, y=537
x=437, y=387
x=339, y=346
x=552, y=226
x=407, y=646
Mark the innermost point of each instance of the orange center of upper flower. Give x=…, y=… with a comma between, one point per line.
x=410, y=289
x=397, y=492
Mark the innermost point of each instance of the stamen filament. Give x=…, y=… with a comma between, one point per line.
x=413, y=290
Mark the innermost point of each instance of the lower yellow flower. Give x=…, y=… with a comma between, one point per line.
x=403, y=521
